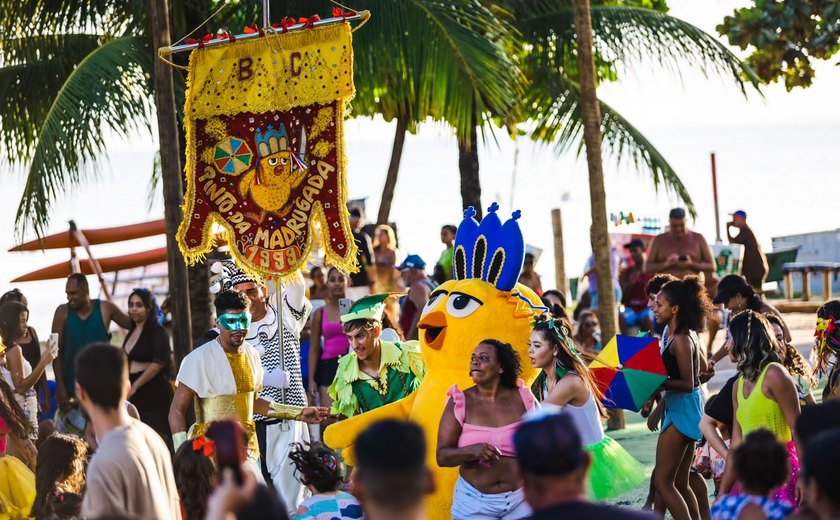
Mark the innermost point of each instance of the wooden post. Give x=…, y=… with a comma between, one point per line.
x=806, y=285
x=559, y=253
x=789, y=285
x=826, y=285
x=173, y=191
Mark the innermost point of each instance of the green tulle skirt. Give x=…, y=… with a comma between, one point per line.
x=613, y=470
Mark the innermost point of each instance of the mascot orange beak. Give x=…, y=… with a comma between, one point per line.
x=433, y=326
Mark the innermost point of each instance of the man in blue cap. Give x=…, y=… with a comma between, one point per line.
x=420, y=286
x=754, y=264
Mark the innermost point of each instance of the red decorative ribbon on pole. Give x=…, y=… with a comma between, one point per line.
x=253, y=28
x=201, y=41
x=284, y=24
x=337, y=12
x=309, y=23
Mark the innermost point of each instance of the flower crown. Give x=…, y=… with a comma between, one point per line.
x=560, y=329
x=826, y=341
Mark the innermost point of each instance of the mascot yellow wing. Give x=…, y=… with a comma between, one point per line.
x=342, y=435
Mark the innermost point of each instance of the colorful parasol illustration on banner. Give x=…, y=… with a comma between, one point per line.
x=264, y=121
x=628, y=370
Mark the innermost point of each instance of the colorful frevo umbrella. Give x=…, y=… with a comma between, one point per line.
x=628, y=370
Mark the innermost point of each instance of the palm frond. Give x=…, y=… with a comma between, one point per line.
x=108, y=89
x=427, y=58
x=634, y=36
x=554, y=106
x=44, y=17
x=32, y=72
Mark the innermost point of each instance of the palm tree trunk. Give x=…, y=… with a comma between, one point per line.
x=599, y=235
x=393, y=170
x=199, y=283
x=173, y=191
x=468, y=167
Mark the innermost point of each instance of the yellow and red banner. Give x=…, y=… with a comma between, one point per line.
x=265, y=149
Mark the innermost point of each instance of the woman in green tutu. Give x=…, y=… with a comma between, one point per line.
x=565, y=381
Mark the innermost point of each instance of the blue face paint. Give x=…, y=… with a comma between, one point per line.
x=234, y=322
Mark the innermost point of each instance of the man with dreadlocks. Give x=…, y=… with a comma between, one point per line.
x=282, y=382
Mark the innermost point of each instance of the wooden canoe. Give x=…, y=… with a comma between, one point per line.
x=110, y=264
x=67, y=239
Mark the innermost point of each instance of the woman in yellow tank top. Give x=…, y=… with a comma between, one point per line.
x=765, y=396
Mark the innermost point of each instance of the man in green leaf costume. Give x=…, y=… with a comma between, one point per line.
x=375, y=372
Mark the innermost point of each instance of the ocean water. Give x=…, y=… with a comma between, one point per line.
x=776, y=156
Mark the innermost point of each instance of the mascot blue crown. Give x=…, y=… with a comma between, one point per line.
x=489, y=251
x=272, y=141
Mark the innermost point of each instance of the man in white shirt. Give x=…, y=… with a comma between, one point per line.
x=130, y=474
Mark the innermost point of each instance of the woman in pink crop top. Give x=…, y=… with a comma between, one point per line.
x=476, y=433
x=327, y=341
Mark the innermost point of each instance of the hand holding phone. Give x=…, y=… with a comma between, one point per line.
x=52, y=344
x=230, y=448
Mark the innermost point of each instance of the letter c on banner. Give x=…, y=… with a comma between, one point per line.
x=293, y=66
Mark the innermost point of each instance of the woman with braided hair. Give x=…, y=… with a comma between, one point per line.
x=764, y=397
x=565, y=381
x=795, y=363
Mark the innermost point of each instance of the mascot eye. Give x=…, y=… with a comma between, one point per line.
x=433, y=300
x=272, y=161
x=284, y=161
x=461, y=305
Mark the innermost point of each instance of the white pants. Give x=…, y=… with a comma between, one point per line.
x=470, y=503
x=279, y=438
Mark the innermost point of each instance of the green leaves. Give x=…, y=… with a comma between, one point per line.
x=108, y=88
x=784, y=37
x=554, y=103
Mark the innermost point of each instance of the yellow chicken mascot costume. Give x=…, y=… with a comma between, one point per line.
x=483, y=301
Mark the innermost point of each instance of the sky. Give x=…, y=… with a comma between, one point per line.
x=775, y=154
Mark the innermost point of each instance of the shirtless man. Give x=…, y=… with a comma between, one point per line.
x=79, y=323
x=678, y=251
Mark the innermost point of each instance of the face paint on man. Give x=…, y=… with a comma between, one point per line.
x=234, y=322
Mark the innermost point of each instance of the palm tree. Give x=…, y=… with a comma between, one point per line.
x=591, y=120
x=561, y=106
x=623, y=37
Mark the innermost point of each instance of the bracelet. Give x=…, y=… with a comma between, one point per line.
x=284, y=411
x=179, y=438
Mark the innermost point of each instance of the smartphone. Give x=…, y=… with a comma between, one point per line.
x=344, y=306
x=228, y=437
x=52, y=343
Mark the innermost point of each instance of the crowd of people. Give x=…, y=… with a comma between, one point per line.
x=120, y=433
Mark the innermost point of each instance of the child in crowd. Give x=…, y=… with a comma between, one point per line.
x=319, y=469
x=60, y=477
x=761, y=465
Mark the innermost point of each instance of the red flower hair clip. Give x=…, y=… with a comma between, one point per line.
x=202, y=443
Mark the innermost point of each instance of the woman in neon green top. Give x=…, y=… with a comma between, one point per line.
x=765, y=396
